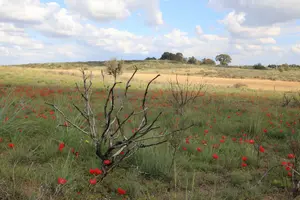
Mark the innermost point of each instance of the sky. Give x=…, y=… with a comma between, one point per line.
x=250, y=31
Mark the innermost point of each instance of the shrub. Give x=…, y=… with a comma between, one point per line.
x=259, y=66
x=114, y=67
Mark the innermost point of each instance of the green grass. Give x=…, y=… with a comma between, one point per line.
x=31, y=169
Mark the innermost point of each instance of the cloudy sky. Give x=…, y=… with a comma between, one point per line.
x=251, y=31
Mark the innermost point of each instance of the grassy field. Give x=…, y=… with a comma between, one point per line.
x=240, y=149
x=171, y=67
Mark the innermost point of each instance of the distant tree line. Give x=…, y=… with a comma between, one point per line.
x=224, y=59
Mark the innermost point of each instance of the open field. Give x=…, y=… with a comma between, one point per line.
x=170, y=67
x=67, y=77
x=240, y=135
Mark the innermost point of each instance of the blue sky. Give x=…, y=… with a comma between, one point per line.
x=68, y=30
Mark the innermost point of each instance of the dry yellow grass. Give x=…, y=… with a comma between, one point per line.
x=67, y=77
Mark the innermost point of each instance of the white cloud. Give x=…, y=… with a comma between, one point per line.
x=267, y=40
x=61, y=23
x=276, y=48
x=262, y=12
x=199, y=30
x=234, y=24
x=26, y=11
x=208, y=37
x=115, y=40
x=296, y=48
x=103, y=10
x=11, y=35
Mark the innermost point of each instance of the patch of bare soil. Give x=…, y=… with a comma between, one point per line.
x=257, y=84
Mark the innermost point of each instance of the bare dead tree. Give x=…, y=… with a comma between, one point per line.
x=114, y=142
x=183, y=94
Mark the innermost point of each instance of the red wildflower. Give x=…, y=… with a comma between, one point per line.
x=97, y=171
x=251, y=142
x=93, y=181
x=222, y=141
x=283, y=163
x=233, y=139
x=61, y=146
x=1, y=140
x=199, y=149
x=215, y=156
x=11, y=145
x=106, y=162
x=265, y=130
x=206, y=131
x=289, y=174
x=92, y=171
x=121, y=191
x=184, y=148
x=287, y=168
x=244, y=164
x=244, y=158
x=61, y=181
x=261, y=149
x=291, y=156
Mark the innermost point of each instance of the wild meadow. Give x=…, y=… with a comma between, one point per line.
x=217, y=145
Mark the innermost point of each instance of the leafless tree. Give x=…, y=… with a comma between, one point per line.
x=114, y=142
x=183, y=94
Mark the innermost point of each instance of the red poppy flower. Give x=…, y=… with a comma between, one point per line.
x=121, y=191
x=222, y=141
x=291, y=156
x=244, y=158
x=61, y=146
x=93, y=181
x=283, y=163
x=11, y=145
x=206, y=131
x=184, y=148
x=287, y=168
x=92, y=171
x=244, y=164
x=261, y=149
x=251, y=142
x=265, y=130
x=61, y=181
x=106, y=162
x=97, y=171
x=233, y=139
x=215, y=156
x=199, y=149
x=289, y=174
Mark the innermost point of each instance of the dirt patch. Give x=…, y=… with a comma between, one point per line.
x=251, y=83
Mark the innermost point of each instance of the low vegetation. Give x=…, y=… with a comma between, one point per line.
x=186, y=142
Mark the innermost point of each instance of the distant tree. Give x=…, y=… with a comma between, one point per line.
x=114, y=67
x=179, y=57
x=192, y=60
x=149, y=58
x=172, y=56
x=224, y=59
x=259, y=66
x=208, y=61
x=165, y=56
